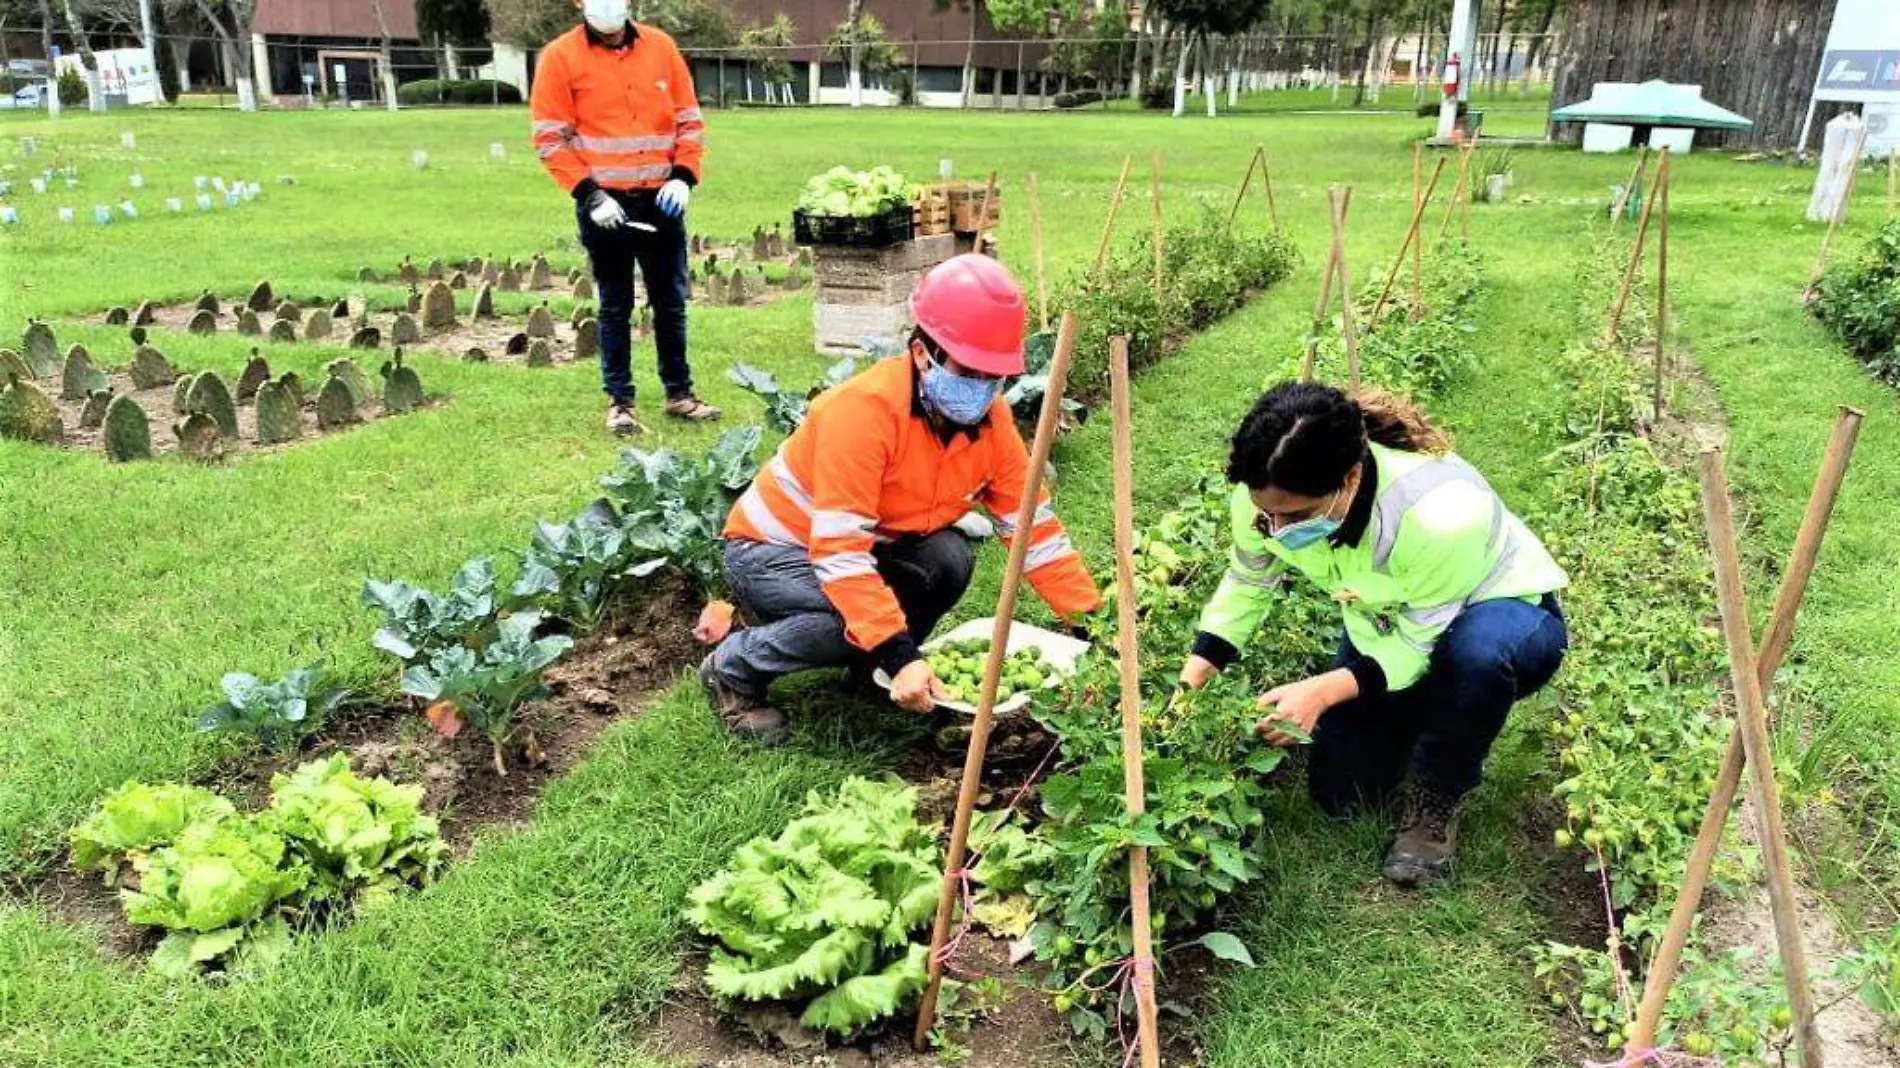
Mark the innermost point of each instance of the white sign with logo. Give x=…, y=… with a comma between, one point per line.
x=1862, y=60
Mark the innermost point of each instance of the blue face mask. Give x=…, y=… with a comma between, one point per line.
x=963, y=401
x=1307, y=532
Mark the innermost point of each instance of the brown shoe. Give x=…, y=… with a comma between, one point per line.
x=692, y=409
x=622, y=421
x=743, y=715
x=1427, y=841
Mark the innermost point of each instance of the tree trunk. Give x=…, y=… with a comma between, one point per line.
x=1207, y=73
x=95, y=89
x=1543, y=38
x=854, y=61
x=388, y=62
x=1180, y=75
x=1157, y=55
x=969, y=60
x=1019, y=76
x=1365, y=62
x=1141, y=49
x=181, y=63
x=1237, y=59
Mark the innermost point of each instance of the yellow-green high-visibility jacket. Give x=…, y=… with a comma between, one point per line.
x=1438, y=541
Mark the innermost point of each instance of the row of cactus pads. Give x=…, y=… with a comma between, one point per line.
x=204, y=405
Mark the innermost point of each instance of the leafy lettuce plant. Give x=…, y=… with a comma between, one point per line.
x=138, y=818
x=487, y=688
x=418, y=622
x=361, y=840
x=279, y=714
x=209, y=888
x=673, y=507
x=825, y=912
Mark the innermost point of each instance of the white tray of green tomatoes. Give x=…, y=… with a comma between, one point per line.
x=1036, y=660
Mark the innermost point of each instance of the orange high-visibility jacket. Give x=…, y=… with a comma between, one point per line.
x=620, y=118
x=867, y=465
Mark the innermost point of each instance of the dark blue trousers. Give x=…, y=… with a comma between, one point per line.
x=1439, y=729
x=661, y=257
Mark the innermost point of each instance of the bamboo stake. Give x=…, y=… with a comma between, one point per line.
x=1154, y=192
x=1629, y=187
x=1266, y=180
x=1108, y=225
x=1636, y=254
x=1464, y=202
x=1246, y=182
x=1411, y=239
x=1662, y=282
x=1319, y=307
x=1418, y=251
x=1752, y=724
x=1451, y=209
x=1132, y=780
x=986, y=222
x=1847, y=198
x=953, y=873
x=1774, y=646
x=1345, y=288
x=1042, y=271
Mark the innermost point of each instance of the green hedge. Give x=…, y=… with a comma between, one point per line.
x=1078, y=98
x=1859, y=299
x=450, y=91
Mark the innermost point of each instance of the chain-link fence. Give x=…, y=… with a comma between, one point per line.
x=201, y=70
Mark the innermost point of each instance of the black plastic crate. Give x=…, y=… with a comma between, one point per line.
x=893, y=226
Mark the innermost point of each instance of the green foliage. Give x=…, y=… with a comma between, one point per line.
x=571, y=569
x=1208, y=271
x=209, y=886
x=1026, y=391
x=457, y=91
x=785, y=412
x=842, y=192
x=875, y=52
x=488, y=687
x=418, y=623
x=673, y=507
x=281, y=714
x=137, y=818
x=357, y=838
x=825, y=912
x=72, y=88
x=1859, y=299
x=767, y=47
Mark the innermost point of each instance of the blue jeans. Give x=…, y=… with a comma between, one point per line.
x=793, y=625
x=1440, y=728
x=661, y=257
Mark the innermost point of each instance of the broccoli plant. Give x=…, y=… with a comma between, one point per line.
x=418, y=622
x=487, y=688
x=786, y=411
x=281, y=714
x=674, y=508
x=825, y=912
x=1026, y=391
x=570, y=568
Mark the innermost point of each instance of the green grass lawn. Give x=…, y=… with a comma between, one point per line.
x=129, y=590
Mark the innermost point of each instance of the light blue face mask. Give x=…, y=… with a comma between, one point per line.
x=1307, y=532
x=963, y=401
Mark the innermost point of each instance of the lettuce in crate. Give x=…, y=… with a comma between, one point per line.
x=825, y=912
x=842, y=192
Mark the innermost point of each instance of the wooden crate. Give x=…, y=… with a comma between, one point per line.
x=966, y=207
x=932, y=211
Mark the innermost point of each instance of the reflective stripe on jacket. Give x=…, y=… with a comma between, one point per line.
x=866, y=466
x=624, y=117
x=1439, y=540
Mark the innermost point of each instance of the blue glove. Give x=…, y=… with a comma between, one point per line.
x=673, y=198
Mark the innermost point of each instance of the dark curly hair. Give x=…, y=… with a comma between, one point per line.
x=1306, y=438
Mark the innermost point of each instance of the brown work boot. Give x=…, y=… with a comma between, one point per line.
x=622, y=421
x=744, y=716
x=1428, y=838
x=692, y=409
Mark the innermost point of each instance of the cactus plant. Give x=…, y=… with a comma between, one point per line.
x=541, y=322
x=261, y=297
x=202, y=323
x=584, y=288
x=126, y=431
x=11, y=366
x=510, y=280
x=458, y=280
x=334, y=406
x=367, y=337
x=40, y=350
x=27, y=413
x=279, y=415
x=283, y=330
x=93, y=413
x=198, y=437
x=208, y=301
x=290, y=311
x=145, y=314
x=540, y=275
x=402, y=389
x=256, y=373
x=317, y=326
x=210, y=396
x=485, y=302
x=247, y=323
x=406, y=270
x=517, y=345
x=180, y=390
x=438, y=308
x=79, y=378
x=587, y=339
x=340, y=310
x=368, y=274
x=540, y=354
x=475, y=355
x=353, y=378
x=293, y=386
x=436, y=269
x=404, y=330
x=117, y=315
x=150, y=369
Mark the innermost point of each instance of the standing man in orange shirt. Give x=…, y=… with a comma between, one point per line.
x=617, y=125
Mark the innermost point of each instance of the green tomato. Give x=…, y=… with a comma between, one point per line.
x=1697, y=1044
x=1782, y=1018
x=1093, y=958
x=1064, y=1002
x=1564, y=838
x=1064, y=945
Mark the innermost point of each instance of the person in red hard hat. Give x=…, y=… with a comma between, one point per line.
x=844, y=551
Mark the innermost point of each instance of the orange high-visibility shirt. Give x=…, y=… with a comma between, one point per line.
x=867, y=465
x=623, y=118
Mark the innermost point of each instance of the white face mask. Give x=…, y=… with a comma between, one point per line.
x=605, y=16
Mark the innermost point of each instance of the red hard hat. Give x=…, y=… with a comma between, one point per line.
x=972, y=307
